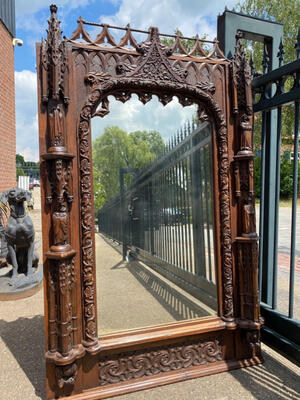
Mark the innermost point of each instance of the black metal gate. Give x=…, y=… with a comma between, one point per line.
x=283, y=326
x=279, y=252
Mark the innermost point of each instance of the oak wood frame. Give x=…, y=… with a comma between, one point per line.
x=74, y=81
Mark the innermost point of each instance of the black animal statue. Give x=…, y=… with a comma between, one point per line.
x=19, y=233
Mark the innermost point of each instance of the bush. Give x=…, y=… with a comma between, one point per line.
x=286, y=177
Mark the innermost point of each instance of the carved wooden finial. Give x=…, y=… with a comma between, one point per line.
x=53, y=8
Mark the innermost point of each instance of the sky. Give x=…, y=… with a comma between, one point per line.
x=189, y=16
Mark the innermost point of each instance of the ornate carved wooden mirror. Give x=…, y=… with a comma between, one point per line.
x=75, y=81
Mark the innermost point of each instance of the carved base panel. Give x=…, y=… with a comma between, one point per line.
x=110, y=373
x=152, y=382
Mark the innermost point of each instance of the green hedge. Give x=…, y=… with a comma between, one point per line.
x=286, y=177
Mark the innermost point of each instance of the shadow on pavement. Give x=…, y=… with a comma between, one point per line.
x=271, y=380
x=24, y=338
x=176, y=303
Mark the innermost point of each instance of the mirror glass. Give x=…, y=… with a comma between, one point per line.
x=155, y=241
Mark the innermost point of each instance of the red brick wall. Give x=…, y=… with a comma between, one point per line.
x=7, y=112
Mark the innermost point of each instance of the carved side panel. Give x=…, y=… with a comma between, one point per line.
x=88, y=283
x=244, y=191
x=64, y=347
x=138, y=364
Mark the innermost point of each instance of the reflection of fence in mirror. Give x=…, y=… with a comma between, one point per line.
x=155, y=243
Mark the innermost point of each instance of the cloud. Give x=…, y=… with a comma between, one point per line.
x=31, y=17
x=190, y=16
x=26, y=115
x=133, y=116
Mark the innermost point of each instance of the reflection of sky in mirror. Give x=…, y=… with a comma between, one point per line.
x=133, y=115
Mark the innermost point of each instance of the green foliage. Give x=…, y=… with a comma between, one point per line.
x=20, y=159
x=286, y=177
x=116, y=149
x=188, y=44
x=28, y=168
x=286, y=12
x=257, y=176
x=20, y=171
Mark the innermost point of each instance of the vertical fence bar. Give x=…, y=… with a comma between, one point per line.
x=167, y=217
x=277, y=200
x=186, y=213
x=182, y=208
x=190, y=215
x=294, y=212
x=262, y=201
x=206, y=179
x=178, y=217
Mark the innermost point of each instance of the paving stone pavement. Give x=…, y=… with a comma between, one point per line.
x=22, y=367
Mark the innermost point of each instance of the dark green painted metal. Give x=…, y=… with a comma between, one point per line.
x=277, y=199
x=276, y=74
x=281, y=343
x=256, y=29
x=262, y=197
x=294, y=211
x=277, y=101
x=282, y=324
x=280, y=330
x=269, y=33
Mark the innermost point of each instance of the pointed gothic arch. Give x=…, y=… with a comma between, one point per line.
x=70, y=94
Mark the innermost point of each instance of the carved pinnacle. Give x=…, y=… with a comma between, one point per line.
x=53, y=8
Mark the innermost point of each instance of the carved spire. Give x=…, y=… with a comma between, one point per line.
x=241, y=76
x=53, y=56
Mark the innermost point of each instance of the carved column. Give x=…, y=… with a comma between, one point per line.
x=64, y=347
x=247, y=247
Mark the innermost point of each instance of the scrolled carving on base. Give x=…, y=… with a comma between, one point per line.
x=66, y=374
x=125, y=367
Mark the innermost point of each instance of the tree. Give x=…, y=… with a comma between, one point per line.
x=116, y=149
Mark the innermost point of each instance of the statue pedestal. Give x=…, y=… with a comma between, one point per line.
x=22, y=286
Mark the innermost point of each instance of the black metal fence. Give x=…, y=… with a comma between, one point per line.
x=165, y=218
x=278, y=301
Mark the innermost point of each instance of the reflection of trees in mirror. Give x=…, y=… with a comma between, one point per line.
x=116, y=149
x=132, y=136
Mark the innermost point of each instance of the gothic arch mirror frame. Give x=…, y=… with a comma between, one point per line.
x=78, y=363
